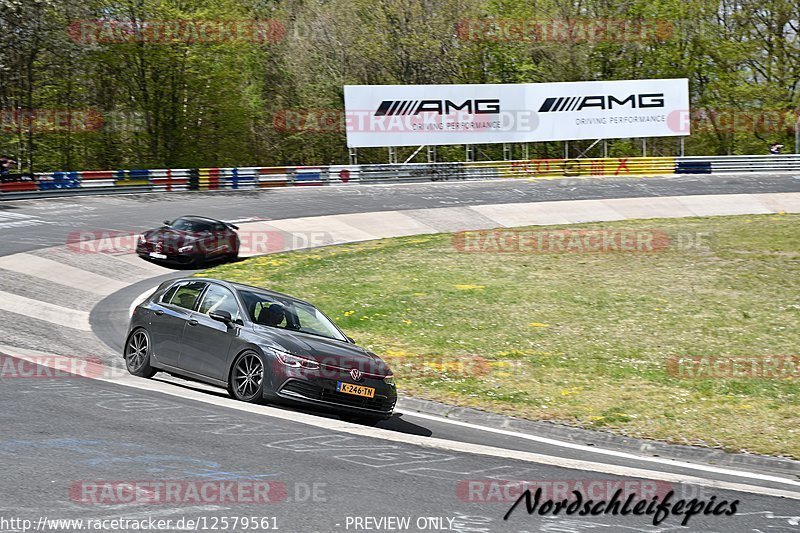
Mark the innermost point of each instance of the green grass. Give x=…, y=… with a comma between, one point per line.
x=577, y=338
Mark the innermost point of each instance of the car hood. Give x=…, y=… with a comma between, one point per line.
x=327, y=352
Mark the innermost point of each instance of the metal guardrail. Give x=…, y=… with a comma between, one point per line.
x=209, y=179
x=745, y=163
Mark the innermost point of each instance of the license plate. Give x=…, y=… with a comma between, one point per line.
x=356, y=390
x=157, y=256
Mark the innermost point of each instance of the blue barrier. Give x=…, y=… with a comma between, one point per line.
x=693, y=167
x=132, y=177
x=308, y=177
x=61, y=180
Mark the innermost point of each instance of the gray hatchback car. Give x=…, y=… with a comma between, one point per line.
x=261, y=345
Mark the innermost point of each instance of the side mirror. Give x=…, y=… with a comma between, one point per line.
x=221, y=316
x=350, y=340
x=167, y=223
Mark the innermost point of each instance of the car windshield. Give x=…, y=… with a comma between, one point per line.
x=273, y=311
x=188, y=224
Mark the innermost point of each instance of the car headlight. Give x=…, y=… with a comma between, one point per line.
x=295, y=361
x=142, y=239
x=389, y=380
x=187, y=248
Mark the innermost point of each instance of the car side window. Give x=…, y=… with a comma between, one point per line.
x=186, y=295
x=218, y=298
x=165, y=299
x=275, y=318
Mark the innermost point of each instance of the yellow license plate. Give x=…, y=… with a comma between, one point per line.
x=356, y=390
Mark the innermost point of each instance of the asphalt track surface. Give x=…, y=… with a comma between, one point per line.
x=61, y=435
x=42, y=223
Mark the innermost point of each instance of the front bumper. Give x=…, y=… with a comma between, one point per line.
x=321, y=393
x=170, y=256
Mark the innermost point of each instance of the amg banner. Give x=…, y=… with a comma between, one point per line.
x=415, y=115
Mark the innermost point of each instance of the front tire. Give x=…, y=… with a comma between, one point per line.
x=137, y=354
x=246, y=378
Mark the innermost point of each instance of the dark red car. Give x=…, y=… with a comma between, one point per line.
x=190, y=240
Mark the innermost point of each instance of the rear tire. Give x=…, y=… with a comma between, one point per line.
x=137, y=354
x=246, y=378
x=234, y=255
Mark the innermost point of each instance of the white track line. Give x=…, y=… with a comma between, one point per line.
x=603, y=451
x=427, y=442
x=39, y=310
x=60, y=273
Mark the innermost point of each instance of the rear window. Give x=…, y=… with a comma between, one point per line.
x=169, y=294
x=185, y=294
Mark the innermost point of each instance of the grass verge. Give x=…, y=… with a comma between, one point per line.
x=578, y=338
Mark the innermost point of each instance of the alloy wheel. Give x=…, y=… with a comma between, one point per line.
x=248, y=375
x=136, y=351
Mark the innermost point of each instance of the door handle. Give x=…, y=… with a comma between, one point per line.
x=193, y=322
x=159, y=312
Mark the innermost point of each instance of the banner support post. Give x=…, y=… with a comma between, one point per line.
x=590, y=147
x=470, y=153
x=797, y=135
x=412, y=155
x=431, y=154
x=353, y=156
x=392, y=155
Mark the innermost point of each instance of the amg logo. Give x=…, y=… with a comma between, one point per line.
x=578, y=103
x=442, y=107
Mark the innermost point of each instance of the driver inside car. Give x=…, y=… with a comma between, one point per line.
x=272, y=315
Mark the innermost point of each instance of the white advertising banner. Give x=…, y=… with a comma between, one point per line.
x=415, y=115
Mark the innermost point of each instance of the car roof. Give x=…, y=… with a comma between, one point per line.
x=251, y=288
x=201, y=218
